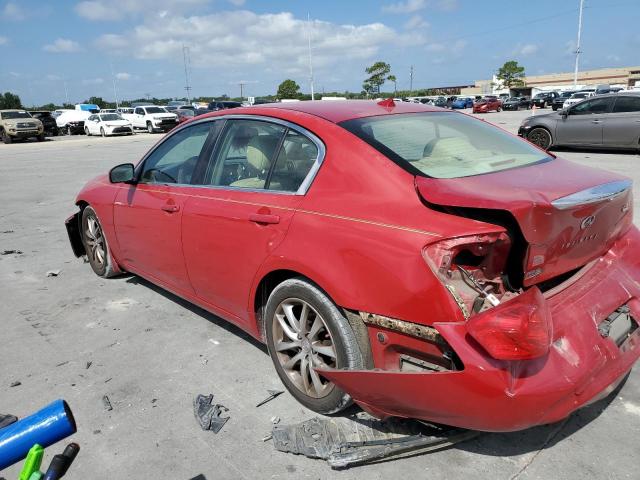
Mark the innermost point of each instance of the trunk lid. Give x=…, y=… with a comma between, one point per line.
x=568, y=214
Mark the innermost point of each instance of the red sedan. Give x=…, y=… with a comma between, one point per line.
x=417, y=261
x=487, y=104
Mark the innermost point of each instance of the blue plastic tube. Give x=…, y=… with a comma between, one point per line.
x=45, y=427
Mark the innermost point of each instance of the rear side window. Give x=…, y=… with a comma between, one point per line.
x=444, y=145
x=626, y=104
x=296, y=157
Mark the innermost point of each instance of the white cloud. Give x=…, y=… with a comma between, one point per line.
x=240, y=38
x=416, y=22
x=613, y=58
x=12, y=11
x=123, y=76
x=93, y=81
x=52, y=77
x=4, y=40
x=447, y=5
x=446, y=51
x=435, y=47
x=109, y=10
x=527, y=49
x=237, y=3
x=62, y=45
x=15, y=74
x=408, y=6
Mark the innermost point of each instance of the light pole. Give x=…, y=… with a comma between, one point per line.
x=575, y=72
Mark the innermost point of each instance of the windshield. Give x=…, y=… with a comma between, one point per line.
x=109, y=117
x=579, y=95
x=444, y=145
x=566, y=94
x=186, y=112
x=10, y=115
x=155, y=110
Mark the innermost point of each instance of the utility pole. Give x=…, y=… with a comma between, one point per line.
x=575, y=73
x=242, y=84
x=310, y=64
x=66, y=92
x=411, y=80
x=113, y=80
x=186, y=60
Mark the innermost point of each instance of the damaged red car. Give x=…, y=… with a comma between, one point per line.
x=417, y=261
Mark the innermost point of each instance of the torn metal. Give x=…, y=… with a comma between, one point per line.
x=345, y=442
x=402, y=326
x=209, y=415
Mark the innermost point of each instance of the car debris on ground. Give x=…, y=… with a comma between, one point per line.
x=348, y=441
x=10, y=252
x=107, y=403
x=53, y=273
x=272, y=394
x=209, y=415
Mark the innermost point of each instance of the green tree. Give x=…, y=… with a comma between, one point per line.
x=97, y=101
x=378, y=73
x=10, y=100
x=288, y=89
x=511, y=74
x=392, y=78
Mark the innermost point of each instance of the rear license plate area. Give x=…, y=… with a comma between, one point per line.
x=618, y=326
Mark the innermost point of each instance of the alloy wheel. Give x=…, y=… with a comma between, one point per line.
x=302, y=341
x=94, y=240
x=540, y=137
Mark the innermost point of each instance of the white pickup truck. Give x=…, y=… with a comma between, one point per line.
x=152, y=118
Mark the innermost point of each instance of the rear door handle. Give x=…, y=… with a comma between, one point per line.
x=264, y=218
x=170, y=207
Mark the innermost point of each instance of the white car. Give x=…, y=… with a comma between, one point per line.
x=577, y=97
x=106, y=124
x=72, y=121
x=153, y=118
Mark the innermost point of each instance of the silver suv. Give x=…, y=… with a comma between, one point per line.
x=603, y=121
x=19, y=124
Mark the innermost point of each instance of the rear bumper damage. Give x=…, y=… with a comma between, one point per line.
x=582, y=366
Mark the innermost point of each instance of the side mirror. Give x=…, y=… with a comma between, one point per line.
x=564, y=112
x=121, y=173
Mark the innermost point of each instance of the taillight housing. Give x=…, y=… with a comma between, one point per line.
x=519, y=329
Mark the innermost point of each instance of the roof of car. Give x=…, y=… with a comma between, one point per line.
x=341, y=110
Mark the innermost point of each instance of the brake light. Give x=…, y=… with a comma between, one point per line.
x=519, y=329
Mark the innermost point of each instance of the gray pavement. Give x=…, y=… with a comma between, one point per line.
x=151, y=353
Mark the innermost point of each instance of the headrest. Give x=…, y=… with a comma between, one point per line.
x=260, y=152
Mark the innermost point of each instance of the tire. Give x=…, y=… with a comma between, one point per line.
x=95, y=244
x=86, y=132
x=40, y=137
x=69, y=132
x=554, y=108
x=149, y=127
x=102, y=132
x=331, y=342
x=6, y=138
x=541, y=137
x=498, y=109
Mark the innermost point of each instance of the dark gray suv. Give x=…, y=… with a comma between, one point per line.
x=604, y=121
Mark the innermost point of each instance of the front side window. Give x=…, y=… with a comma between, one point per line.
x=444, y=145
x=627, y=105
x=139, y=111
x=155, y=110
x=174, y=161
x=597, y=105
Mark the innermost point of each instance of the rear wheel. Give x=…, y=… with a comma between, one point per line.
x=498, y=109
x=86, y=132
x=40, y=137
x=305, y=329
x=69, y=131
x=540, y=137
x=95, y=244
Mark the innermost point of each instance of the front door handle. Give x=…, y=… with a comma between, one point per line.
x=170, y=207
x=264, y=218
x=596, y=121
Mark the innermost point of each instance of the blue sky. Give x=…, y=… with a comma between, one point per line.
x=138, y=43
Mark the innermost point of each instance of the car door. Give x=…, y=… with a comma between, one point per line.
x=138, y=117
x=583, y=125
x=256, y=178
x=148, y=215
x=91, y=124
x=622, y=125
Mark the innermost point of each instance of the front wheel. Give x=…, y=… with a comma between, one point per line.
x=69, y=131
x=6, y=138
x=102, y=132
x=95, y=244
x=498, y=109
x=540, y=137
x=149, y=127
x=40, y=137
x=305, y=330
x=86, y=132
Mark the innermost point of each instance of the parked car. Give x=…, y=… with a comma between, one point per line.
x=542, y=99
x=175, y=104
x=462, y=102
x=516, y=103
x=184, y=114
x=440, y=102
x=107, y=124
x=18, y=124
x=605, y=121
x=223, y=105
x=558, y=102
x=48, y=122
x=71, y=122
x=496, y=289
x=576, y=97
x=487, y=104
x=153, y=119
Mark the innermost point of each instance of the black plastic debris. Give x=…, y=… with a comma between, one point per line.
x=107, y=403
x=345, y=442
x=10, y=252
x=6, y=420
x=209, y=415
x=272, y=394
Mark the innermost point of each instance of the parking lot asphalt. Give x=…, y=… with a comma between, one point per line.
x=79, y=337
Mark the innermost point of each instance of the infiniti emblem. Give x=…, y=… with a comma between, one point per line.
x=587, y=222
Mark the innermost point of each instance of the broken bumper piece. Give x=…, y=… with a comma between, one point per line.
x=345, y=442
x=584, y=364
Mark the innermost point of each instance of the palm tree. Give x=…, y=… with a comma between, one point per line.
x=392, y=78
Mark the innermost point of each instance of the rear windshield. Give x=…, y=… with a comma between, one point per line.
x=443, y=144
x=109, y=117
x=10, y=115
